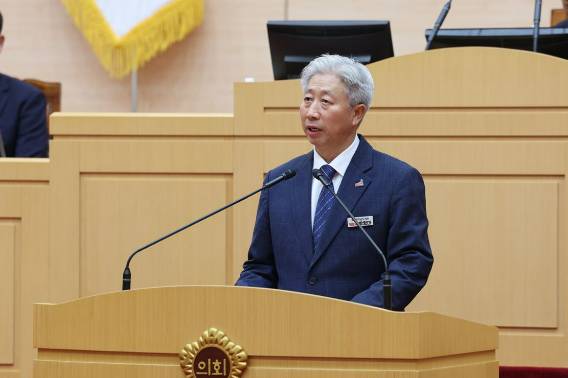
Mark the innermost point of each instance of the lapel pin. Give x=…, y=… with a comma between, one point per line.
x=359, y=183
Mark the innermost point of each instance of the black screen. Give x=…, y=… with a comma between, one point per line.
x=293, y=44
x=551, y=41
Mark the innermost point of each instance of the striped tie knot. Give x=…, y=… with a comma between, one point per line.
x=328, y=171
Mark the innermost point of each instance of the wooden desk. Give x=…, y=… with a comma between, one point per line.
x=284, y=334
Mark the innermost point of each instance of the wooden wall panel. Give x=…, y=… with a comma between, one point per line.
x=402, y=84
x=9, y=374
x=121, y=213
x=519, y=349
x=24, y=259
x=153, y=155
x=7, y=292
x=151, y=124
x=64, y=241
x=490, y=236
x=476, y=156
x=120, y=190
x=410, y=122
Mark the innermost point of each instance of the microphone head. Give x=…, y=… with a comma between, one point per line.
x=289, y=174
x=316, y=173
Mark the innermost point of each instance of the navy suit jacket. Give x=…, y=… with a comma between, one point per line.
x=22, y=119
x=347, y=266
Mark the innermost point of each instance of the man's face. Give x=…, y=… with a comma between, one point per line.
x=327, y=119
x=565, y=4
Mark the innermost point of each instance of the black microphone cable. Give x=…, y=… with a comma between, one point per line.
x=387, y=285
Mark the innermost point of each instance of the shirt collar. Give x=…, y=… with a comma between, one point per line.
x=341, y=162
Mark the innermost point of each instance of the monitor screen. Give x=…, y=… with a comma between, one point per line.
x=293, y=44
x=551, y=41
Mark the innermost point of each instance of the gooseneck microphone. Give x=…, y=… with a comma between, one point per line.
x=438, y=24
x=387, y=287
x=536, y=25
x=127, y=276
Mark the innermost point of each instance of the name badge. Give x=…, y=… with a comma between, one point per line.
x=363, y=221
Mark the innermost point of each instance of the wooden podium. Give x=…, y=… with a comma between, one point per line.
x=140, y=333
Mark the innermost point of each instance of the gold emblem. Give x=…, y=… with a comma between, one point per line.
x=213, y=355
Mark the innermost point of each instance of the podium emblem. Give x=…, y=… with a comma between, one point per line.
x=213, y=355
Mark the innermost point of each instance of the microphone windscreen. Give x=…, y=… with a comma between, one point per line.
x=289, y=174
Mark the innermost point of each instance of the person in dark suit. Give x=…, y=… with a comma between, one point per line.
x=22, y=116
x=563, y=24
x=302, y=241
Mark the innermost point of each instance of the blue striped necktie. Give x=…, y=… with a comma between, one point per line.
x=323, y=207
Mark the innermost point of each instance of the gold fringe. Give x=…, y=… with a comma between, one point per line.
x=155, y=34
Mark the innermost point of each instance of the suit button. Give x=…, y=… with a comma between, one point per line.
x=313, y=280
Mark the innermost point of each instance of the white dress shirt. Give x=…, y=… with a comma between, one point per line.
x=340, y=164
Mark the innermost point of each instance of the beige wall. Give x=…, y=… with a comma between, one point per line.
x=197, y=74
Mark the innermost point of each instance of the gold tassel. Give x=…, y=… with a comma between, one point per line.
x=155, y=34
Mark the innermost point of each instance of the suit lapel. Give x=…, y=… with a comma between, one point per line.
x=350, y=194
x=300, y=198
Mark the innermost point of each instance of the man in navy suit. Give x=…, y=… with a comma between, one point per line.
x=302, y=241
x=22, y=116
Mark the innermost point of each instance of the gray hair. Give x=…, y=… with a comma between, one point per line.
x=359, y=85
